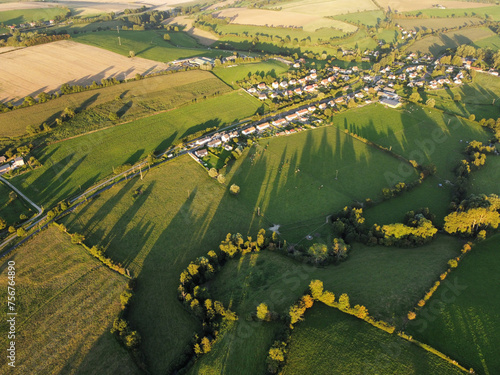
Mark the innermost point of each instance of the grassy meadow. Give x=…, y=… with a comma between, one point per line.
x=11, y=210
x=66, y=302
x=370, y=18
x=76, y=164
x=486, y=180
x=129, y=100
x=232, y=74
x=282, y=176
x=401, y=277
x=328, y=8
x=436, y=44
x=479, y=98
x=329, y=341
x=148, y=44
x=466, y=312
x=493, y=12
x=16, y=17
x=418, y=133
x=436, y=23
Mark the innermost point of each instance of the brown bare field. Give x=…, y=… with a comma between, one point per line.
x=328, y=7
x=272, y=18
x=407, y=5
x=46, y=67
x=203, y=37
x=220, y=5
x=26, y=5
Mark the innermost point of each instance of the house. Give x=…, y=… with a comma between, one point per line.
x=202, y=141
x=331, y=103
x=325, y=82
x=284, y=84
x=339, y=100
x=311, y=108
x=273, y=95
x=302, y=112
x=391, y=76
x=4, y=168
x=389, y=102
x=225, y=137
x=293, y=81
x=298, y=91
x=291, y=117
x=214, y=143
x=228, y=147
x=313, y=76
x=201, y=153
x=279, y=122
x=275, y=85
x=248, y=131
x=355, y=69
x=296, y=65
x=312, y=71
x=322, y=106
x=413, y=75
x=263, y=126
x=251, y=90
x=359, y=95
x=309, y=88
x=302, y=81
x=2, y=159
x=262, y=96
x=335, y=68
x=457, y=81
x=262, y=86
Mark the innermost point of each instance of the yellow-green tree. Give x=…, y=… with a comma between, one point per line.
x=262, y=311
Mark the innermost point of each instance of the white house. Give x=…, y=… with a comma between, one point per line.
x=263, y=126
x=248, y=131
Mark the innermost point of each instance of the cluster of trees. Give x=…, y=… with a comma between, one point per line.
x=349, y=223
x=19, y=39
x=474, y=216
x=419, y=232
x=322, y=254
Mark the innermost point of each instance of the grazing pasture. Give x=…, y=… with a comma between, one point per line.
x=135, y=98
x=330, y=341
x=148, y=44
x=370, y=18
x=487, y=179
x=203, y=37
x=436, y=44
x=232, y=74
x=385, y=280
x=436, y=23
x=483, y=10
x=11, y=209
x=465, y=311
x=66, y=301
x=74, y=165
x=44, y=68
x=16, y=17
x=418, y=133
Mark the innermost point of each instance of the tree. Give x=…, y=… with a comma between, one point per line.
x=132, y=340
x=12, y=229
x=411, y=315
x=262, y=311
x=113, y=116
x=472, y=117
x=166, y=37
x=3, y=223
x=221, y=179
x=234, y=189
x=21, y=232
x=457, y=97
x=319, y=252
x=344, y=302
x=77, y=238
x=415, y=97
x=316, y=288
x=125, y=298
x=131, y=54
x=212, y=172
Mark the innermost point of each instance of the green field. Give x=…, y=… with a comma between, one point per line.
x=236, y=73
x=16, y=17
x=66, y=302
x=148, y=44
x=370, y=18
x=436, y=23
x=180, y=215
x=428, y=194
x=478, y=98
x=493, y=42
x=76, y=164
x=466, y=311
x=135, y=99
x=439, y=43
x=422, y=134
x=332, y=342
x=387, y=36
x=328, y=8
x=283, y=176
x=486, y=180
x=401, y=277
x=10, y=211
x=493, y=12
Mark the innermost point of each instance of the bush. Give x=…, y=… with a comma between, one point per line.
x=234, y=189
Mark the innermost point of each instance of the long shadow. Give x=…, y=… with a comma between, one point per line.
x=134, y=158
x=166, y=143
x=87, y=103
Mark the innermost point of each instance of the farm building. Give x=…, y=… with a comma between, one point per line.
x=18, y=162
x=202, y=141
x=201, y=153
x=4, y=168
x=2, y=159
